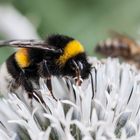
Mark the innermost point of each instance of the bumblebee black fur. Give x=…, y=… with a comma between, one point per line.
x=43, y=63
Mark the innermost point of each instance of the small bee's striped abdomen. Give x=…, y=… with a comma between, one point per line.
x=113, y=47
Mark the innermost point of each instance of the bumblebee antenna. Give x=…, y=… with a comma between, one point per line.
x=38, y=44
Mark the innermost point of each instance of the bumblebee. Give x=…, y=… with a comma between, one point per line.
x=58, y=55
x=120, y=45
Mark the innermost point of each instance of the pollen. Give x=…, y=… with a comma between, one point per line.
x=72, y=49
x=22, y=58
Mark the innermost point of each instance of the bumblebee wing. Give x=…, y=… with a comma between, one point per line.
x=123, y=37
x=38, y=44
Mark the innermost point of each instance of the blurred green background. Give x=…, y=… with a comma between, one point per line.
x=86, y=20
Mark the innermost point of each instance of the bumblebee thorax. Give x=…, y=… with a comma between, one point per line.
x=72, y=49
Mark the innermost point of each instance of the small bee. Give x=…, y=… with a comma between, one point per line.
x=58, y=55
x=120, y=46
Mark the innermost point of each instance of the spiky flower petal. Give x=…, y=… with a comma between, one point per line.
x=106, y=108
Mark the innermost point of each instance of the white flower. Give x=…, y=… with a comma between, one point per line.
x=105, y=109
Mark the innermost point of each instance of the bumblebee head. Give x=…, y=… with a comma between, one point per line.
x=73, y=59
x=77, y=67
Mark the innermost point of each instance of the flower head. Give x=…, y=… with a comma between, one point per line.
x=105, y=107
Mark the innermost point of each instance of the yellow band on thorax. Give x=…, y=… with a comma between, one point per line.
x=22, y=58
x=71, y=49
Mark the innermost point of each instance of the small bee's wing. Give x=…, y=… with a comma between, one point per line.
x=123, y=37
x=114, y=34
x=38, y=44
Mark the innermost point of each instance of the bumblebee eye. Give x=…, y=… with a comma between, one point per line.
x=75, y=66
x=80, y=65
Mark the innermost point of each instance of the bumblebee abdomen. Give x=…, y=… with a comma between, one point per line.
x=11, y=77
x=22, y=57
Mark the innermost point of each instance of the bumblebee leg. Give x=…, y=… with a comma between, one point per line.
x=45, y=73
x=93, y=86
x=49, y=86
x=37, y=97
x=31, y=92
x=29, y=88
